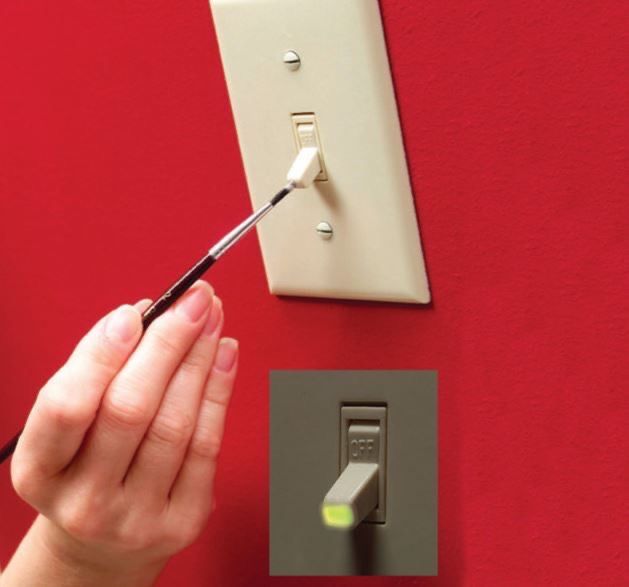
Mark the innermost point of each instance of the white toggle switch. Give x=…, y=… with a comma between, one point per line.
x=307, y=135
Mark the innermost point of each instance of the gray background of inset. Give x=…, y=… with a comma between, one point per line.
x=305, y=436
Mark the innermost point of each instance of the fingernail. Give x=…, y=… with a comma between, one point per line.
x=226, y=354
x=215, y=316
x=195, y=302
x=142, y=304
x=122, y=324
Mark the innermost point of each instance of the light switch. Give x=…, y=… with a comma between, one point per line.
x=304, y=71
x=307, y=135
x=359, y=493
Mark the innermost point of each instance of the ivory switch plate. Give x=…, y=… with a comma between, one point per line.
x=344, y=86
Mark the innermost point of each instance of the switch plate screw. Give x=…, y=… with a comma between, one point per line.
x=324, y=230
x=292, y=60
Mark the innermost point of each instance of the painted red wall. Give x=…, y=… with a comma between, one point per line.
x=119, y=164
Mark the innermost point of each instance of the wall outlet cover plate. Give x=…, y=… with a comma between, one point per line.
x=305, y=434
x=345, y=81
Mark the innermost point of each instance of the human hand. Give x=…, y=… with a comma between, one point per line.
x=119, y=451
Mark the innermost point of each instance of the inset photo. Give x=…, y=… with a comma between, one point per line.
x=353, y=473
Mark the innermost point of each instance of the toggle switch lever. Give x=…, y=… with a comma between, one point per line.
x=355, y=494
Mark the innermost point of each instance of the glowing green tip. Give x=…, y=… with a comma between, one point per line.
x=337, y=515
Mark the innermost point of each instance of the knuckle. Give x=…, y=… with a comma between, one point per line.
x=137, y=534
x=62, y=408
x=218, y=396
x=206, y=443
x=24, y=481
x=186, y=534
x=172, y=429
x=120, y=411
x=86, y=512
x=194, y=363
x=81, y=520
x=99, y=360
x=163, y=341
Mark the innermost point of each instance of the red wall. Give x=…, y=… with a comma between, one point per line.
x=119, y=164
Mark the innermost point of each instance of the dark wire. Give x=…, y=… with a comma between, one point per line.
x=7, y=450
